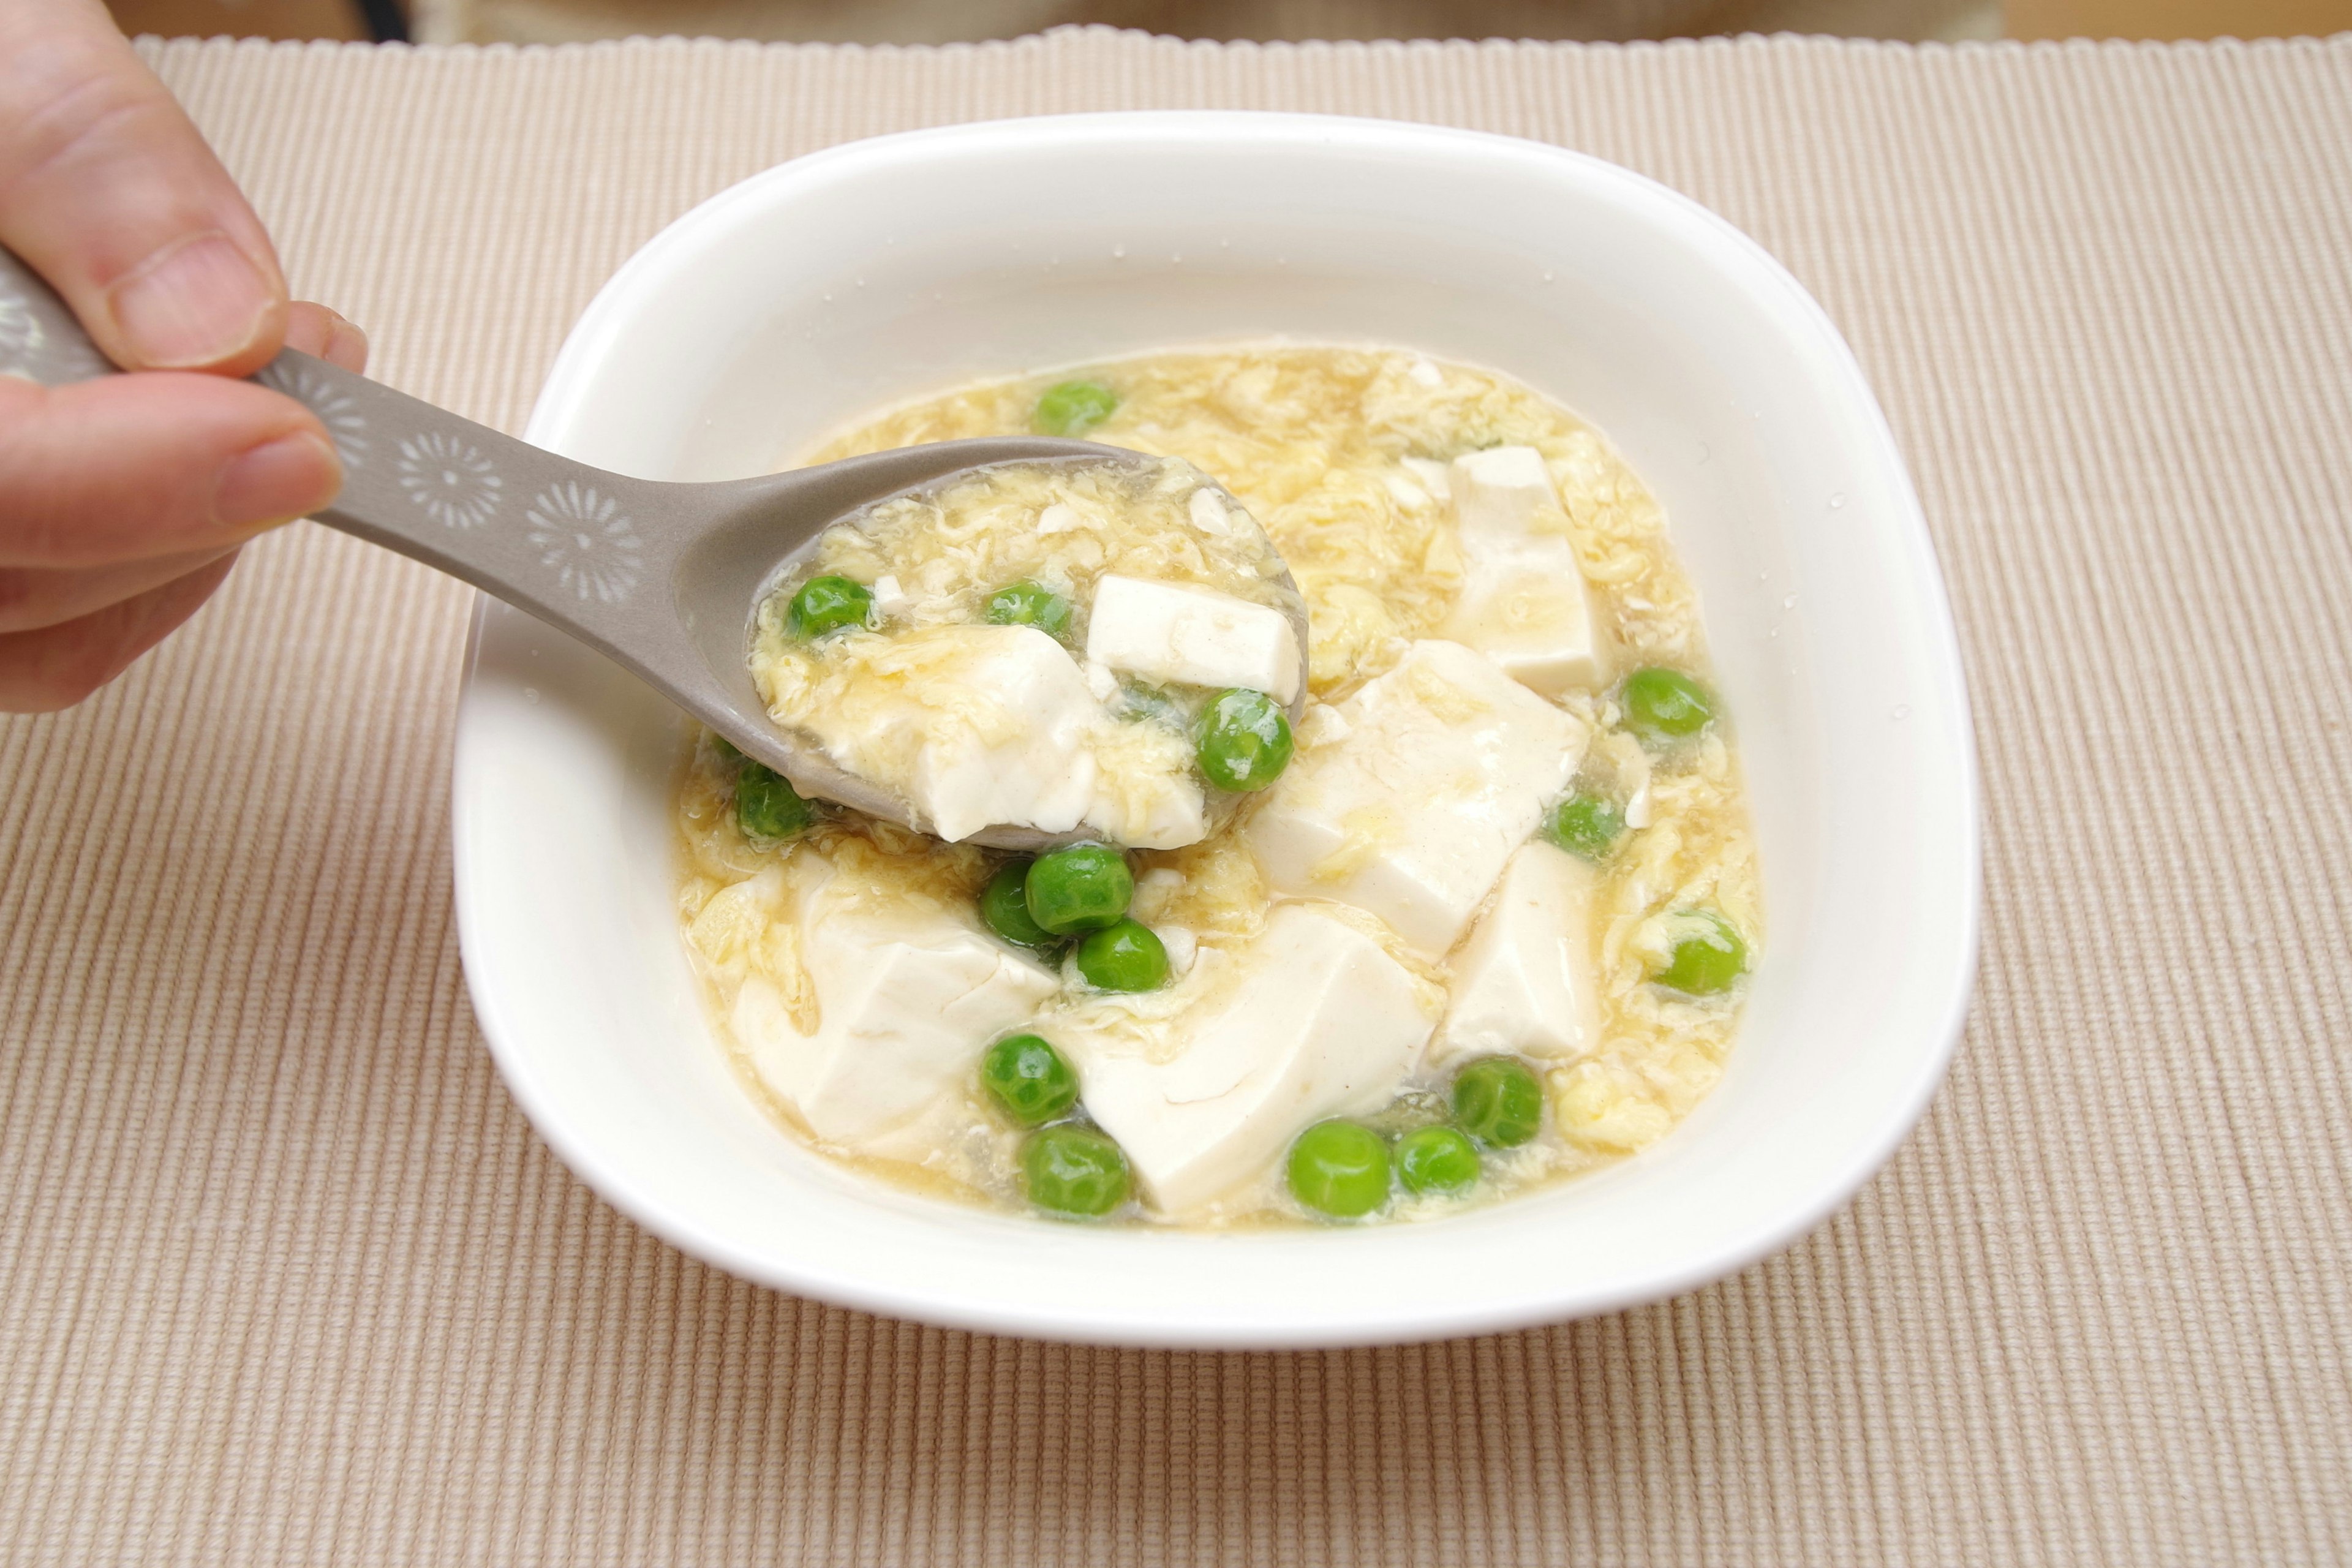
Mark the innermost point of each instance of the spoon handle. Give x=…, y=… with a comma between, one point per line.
x=570, y=544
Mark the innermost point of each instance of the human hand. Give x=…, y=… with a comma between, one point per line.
x=123, y=500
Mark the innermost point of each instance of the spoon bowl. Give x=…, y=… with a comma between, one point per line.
x=662, y=577
x=713, y=568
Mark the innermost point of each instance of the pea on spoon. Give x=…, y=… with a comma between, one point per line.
x=664, y=578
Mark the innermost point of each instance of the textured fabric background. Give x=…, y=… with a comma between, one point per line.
x=285, y=1279
x=943, y=21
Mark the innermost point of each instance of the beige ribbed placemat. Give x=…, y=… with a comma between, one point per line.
x=942, y=21
x=285, y=1279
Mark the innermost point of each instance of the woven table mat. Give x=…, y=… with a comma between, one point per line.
x=286, y=1278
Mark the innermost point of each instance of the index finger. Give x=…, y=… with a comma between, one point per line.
x=109, y=190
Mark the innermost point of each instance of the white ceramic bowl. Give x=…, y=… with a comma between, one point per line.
x=888, y=267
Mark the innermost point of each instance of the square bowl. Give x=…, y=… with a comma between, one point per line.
x=886, y=269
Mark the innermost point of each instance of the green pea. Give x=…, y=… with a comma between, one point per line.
x=1074, y=407
x=1586, y=826
x=1437, y=1160
x=1663, y=706
x=1004, y=909
x=828, y=604
x=1032, y=1081
x=1497, y=1101
x=1082, y=887
x=1707, y=956
x=1074, y=1172
x=1123, y=957
x=1029, y=605
x=1244, y=740
x=767, y=805
x=1340, y=1169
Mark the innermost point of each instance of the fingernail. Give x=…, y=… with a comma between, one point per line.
x=200, y=302
x=277, y=481
x=347, y=346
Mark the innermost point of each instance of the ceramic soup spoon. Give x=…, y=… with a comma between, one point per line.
x=664, y=578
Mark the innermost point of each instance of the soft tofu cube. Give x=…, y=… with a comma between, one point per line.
x=906, y=1000
x=1165, y=632
x=1442, y=772
x=1529, y=609
x=1524, y=603
x=1313, y=1020
x=997, y=724
x=1523, y=982
x=1505, y=490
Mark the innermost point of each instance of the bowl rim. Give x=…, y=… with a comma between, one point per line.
x=567, y=384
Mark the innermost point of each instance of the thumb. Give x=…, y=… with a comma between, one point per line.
x=109, y=192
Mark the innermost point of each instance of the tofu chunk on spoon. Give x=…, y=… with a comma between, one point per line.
x=1170, y=632
x=997, y=724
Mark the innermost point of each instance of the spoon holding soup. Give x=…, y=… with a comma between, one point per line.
x=678, y=582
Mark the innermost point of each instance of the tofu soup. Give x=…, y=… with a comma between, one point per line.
x=1481, y=919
